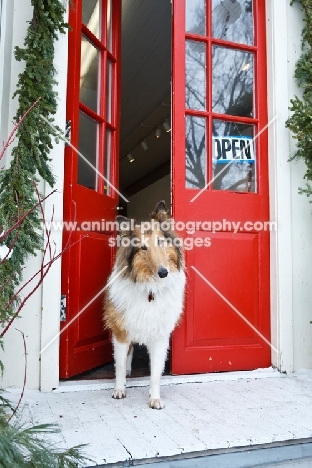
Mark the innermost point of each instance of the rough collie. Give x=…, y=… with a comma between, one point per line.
x=145, y=296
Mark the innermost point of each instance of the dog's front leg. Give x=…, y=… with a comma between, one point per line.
x=120, y=356
x=158, y=352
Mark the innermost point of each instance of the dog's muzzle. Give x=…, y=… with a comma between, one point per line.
x=162, y=272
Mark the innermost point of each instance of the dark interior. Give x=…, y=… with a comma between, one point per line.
x=145, y=106
x=145, y=93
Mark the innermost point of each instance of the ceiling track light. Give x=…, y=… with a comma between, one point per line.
x=144, y=145
x=157, y=133
x=130, y=157
x=166, y=126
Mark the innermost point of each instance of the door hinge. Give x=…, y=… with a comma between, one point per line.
x=63, y=308
x=68, y=127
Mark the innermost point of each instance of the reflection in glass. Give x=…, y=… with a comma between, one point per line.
x=233, y=157
x=196, y=152
x=109, y=73
x=232, y=82
x=107, y=161
x=109, y=19
x=232, y=20
x=89, y=74
x=87, y=146
x=195, y=17
x=195, y=75
x=91, y=14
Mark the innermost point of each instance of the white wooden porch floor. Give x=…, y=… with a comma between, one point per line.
x=202, y=413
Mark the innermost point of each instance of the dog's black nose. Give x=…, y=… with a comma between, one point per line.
x=162, y=272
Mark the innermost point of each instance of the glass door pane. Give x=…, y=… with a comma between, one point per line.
x=196, y=152
x=107, y=161
x=88, y=148
x=91, y=16
x=232, y=82
x=90, y=75
x=232, y=20
x=195, y=75
x=109, y=25
x=109, y=90
x=196, y=17
x=233, y=157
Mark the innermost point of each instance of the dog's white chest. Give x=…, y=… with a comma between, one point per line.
x=151, y=310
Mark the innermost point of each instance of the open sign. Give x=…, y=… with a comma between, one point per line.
x=230, y=148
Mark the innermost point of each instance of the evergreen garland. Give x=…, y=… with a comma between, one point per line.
x=30, y=157
x=300, y=122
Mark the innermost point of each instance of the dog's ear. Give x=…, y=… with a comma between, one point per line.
x=124, y=225
x=160, y=212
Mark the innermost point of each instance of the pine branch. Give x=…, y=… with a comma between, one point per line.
x=300, y=122
x=36, y=96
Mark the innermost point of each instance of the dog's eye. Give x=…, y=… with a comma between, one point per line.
x=160, y=241
x=143, y=247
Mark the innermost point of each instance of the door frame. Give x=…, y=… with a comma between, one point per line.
x=279, y=78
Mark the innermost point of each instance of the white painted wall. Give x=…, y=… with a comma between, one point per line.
x=291, y=246
x=301, y=220
x=40, y=317
x=142, y=203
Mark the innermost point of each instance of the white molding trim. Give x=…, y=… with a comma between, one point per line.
x=51, y=288
x=280, y=185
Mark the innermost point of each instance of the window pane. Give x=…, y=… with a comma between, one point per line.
x=232, y=82
x=234, y=158
x=195, y=92
x=232, y=20
x=88, y=144
x=195, y=17
x=89, y=75
x=109, y=22
x=196, y=153
x=107, y=161
x=109, y=76
x=91, y=15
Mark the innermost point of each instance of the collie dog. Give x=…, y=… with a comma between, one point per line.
x=145, y=296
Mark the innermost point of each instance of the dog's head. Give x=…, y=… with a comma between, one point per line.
x=151, y=251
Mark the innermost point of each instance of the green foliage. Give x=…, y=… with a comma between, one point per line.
x=30, y=157
x=300, y=122
x=22, y=446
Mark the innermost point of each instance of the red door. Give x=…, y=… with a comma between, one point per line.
x=91, y=176
x=220, y=175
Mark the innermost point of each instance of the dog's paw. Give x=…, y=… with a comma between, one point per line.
x=156, y=403
x=119, y=393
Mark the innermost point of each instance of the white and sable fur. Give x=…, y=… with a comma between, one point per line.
x=129, y=313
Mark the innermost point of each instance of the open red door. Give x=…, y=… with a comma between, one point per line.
x=91, y=177
x=220, y=175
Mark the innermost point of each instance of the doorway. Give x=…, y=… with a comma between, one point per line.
x=145, y=127
x=215, y=170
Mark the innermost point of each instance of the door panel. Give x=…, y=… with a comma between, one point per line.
x=220, y=174
x=90, y=266
x=91, y=181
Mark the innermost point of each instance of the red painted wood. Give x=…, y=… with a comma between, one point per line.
x=87, y=260
x=211, y=336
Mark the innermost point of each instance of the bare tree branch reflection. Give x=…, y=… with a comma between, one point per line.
x=232, y=88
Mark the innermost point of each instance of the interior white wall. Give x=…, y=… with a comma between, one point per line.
x=40, y=316
x=143, y=202
x=291, y=246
